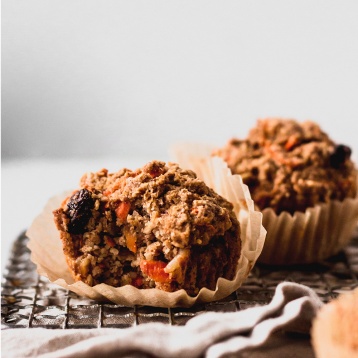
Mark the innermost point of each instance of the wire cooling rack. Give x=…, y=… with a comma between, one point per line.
x=30, y=300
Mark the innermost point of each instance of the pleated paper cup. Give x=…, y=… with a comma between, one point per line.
x=47, y=253
x=310, y=236
x=302, y=238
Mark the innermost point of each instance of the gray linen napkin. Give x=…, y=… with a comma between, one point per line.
x=209, y=334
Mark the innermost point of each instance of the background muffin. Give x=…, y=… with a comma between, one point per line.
x=291, y=166
x=305, y=185
x=156, y=227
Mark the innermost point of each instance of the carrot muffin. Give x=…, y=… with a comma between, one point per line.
x=303, y=182
x=335, y=329
x=156, y=227
x=290, y=166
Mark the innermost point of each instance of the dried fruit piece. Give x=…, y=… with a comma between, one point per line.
x=137, y=282
x=340, y=155
x=79, y=210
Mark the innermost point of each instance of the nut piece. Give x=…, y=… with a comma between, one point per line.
x=84, y=266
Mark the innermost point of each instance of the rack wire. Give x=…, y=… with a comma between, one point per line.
x=29, y=300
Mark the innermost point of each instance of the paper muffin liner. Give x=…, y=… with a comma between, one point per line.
x=302, y=238
x=47, y=253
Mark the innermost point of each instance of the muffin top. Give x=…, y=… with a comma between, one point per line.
x=153, y=227
x=290, y=166
x=177, y=206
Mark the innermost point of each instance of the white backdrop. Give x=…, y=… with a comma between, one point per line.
x=88, y=78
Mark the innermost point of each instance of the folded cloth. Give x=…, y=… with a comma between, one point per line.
x=210, y=334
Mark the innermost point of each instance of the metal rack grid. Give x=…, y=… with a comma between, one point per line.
x=30, y=300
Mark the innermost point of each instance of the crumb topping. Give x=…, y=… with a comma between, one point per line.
x=159, y=226
x=290, y=166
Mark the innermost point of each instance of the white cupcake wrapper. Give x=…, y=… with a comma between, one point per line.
x=47, y=253
x=302, y=238
x=309, y=236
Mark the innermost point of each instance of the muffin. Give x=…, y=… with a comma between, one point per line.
x=290, y=166
x=155, y=227
x=335, y=329
x=305, y=185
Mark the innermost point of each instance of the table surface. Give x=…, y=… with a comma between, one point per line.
x=29, y=300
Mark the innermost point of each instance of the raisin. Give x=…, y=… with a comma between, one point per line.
x=255, y=146
x=79, y=211
x=255, y=171
x=339, y=156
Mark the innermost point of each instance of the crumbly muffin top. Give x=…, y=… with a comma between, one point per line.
x=159, y=226
x=179, y=207
x=290, y=166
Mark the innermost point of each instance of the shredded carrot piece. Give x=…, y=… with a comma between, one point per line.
x=131, y=240
x=155, y=270
x=291, y=142
x=123, y=210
